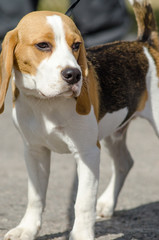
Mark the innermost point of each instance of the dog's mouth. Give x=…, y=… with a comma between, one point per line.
x=76, y=90
x=71, y=91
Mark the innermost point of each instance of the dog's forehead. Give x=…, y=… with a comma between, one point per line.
x=45, y=23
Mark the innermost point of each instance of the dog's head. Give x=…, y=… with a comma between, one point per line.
x=47, y=53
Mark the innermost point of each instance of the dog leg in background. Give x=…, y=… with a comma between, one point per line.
x=88, y=175
x=121, y=164
x=38, y=166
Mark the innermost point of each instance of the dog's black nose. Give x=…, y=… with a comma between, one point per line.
x=71, y=75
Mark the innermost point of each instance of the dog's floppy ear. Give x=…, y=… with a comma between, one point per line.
x=83, y=105
x=6, y=64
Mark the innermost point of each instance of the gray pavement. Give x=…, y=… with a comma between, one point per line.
x=137, y=213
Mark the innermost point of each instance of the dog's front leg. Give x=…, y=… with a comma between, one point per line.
x=88, y=174
x=38, y=166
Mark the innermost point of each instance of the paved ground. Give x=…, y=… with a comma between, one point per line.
x=137, y=212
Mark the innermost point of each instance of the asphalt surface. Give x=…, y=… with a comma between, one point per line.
x=137, y=213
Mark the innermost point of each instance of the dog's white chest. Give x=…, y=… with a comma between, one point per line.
x=45, y=124
x=54, y=136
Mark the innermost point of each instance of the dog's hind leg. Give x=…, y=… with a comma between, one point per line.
x=122, y=162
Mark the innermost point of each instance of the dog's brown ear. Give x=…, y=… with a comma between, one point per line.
x=83, y=105
x=6, y=64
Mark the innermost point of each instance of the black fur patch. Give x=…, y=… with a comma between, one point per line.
x=121, y=69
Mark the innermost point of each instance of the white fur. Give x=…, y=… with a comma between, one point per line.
x=121, y=164
x=46, y=128
x=151, y=110
x=111, y=122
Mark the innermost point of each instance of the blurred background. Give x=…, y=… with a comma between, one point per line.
x=62, y=6
x=100, y=21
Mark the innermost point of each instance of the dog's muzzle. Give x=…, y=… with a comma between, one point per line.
x=71, y=75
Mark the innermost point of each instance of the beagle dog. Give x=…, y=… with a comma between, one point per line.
x=67, y=99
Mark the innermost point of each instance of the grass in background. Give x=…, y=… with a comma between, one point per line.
x=54, y=5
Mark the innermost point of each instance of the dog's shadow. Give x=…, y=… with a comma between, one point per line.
x=138, y=223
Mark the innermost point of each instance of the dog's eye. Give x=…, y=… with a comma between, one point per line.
x=44, y=46
x=75, y=46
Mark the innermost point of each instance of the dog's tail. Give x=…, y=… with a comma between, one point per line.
x=147, y=27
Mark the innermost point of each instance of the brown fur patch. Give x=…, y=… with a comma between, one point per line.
x=94, y=90
x=89, y=94
x=83, y=104
x=6, y=64
x=27, y=57
x=147, y=27
x=98, y=145
x=140, y=12
x=142, y=101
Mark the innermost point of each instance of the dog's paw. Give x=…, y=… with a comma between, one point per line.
x=82, y=233
x=80, y=236
x=104, y=209
x=20, y=233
